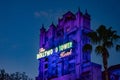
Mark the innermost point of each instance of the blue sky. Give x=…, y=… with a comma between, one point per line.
x=20, y=21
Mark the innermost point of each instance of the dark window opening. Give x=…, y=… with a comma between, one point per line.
x=46, y=59
x=46, y=65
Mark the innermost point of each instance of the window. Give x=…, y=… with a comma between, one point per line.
x=71, y=67
x=46, y=65
x=46, y=59
x=71, y=57
x=46, y=73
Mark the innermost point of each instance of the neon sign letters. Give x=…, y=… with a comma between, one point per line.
x=64, y=54
x=43, y=52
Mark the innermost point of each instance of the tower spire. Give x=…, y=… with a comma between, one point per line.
x=79, y=9
x=42, y=28
x=86, y=11
x=42, y=25
x=52, y=23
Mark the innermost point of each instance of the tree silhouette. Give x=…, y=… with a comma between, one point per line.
x=104, y=38
x=13, y=76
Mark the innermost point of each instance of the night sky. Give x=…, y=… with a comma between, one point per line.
x=21, y=20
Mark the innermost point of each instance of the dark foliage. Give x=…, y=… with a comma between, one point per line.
x=104, y=39
x=13, y=76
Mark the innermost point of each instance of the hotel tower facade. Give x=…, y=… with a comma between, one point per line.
x=60, y=52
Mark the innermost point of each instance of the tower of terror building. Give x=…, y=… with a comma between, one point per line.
x=60, y=52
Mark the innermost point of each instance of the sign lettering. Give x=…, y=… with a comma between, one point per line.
x=42, y=52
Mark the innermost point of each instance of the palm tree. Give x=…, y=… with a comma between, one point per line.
x=104, y=38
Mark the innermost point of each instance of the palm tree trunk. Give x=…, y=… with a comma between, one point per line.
x=105, y=64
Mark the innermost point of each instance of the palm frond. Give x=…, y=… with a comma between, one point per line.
x=108, y=44
x=87, y=48
x=101, y=31
x=99, y=49
x=93, y=37
x=117, y=47
x=115, y=37
x=111, y=32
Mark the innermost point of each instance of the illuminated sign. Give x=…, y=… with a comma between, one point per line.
x=43, y=52
x=64, y=54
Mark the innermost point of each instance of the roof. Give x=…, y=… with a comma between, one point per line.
x=69, y=14
x=114, y=67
